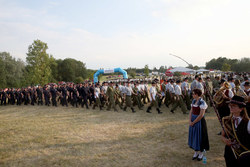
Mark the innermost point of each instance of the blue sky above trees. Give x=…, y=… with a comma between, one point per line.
x=128, y=33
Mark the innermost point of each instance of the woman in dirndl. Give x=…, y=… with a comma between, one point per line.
x=198, y=137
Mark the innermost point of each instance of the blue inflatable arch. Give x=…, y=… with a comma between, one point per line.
x=124, y=73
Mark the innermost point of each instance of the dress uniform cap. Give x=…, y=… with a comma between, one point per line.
x=238, y=100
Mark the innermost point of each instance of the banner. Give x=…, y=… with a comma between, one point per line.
x=108, y=71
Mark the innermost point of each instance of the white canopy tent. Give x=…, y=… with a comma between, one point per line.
x=182, y=69
x=202, y=70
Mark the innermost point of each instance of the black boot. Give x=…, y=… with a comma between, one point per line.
x=159, y=112
x=167, y=105
x=148, y=110
x=125, y=108
x=132, y=109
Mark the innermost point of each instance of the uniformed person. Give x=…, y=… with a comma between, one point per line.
x=179, y=98
x=97, y=97
x=171, y=90
x=46, y=96
x=153, y=99
x=118, y=96
x=137, y=96
x=84, y=90
x=163, y=92
x=146, y=96
x=128, y=94
x=237, y=140
x=75, y=96
x=53, y=95
x=185, y=93
x=111, y=97
x=64, y=95
x=39, y=95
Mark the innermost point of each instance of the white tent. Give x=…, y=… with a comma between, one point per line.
x=202, y=70
x=182, y=69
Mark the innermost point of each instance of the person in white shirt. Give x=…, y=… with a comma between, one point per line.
x=128, y=93
x=179, y=98
x=171, y=92
x=97, y=97
x=194, y=84
x=146, y=96
x=200, y=85
x=123, y=89
x=168, y=96
x=153, y=99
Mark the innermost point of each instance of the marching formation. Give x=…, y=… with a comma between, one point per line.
x=129, y=94
x=228, y=95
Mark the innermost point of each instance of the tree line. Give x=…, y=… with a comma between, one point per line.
x=224, y=64
x=42, y=68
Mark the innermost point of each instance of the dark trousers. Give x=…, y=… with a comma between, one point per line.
x=47, y=102
x=54, y=103
x=231, y=161
x=74, y=103
x=64, y=101
x=18, y=101
x=40, y=101
x=3, y=101
x=85, y=102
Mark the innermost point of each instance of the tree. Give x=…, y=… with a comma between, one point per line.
x=190, y=66
x=162, y=69
x=69, y=69
x=2, y=74
x=38, y=63
x=54, y=70
x=196, y=68
x=146, y=70
x=90, y=74
x=218, y=63
x=78, y=80
x=11, y=71
x=242, y=65
x=131, y=72
x=226, y=67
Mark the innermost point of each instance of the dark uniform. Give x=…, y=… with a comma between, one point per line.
x=75, y=97
x=64, y=96
x=111, y=96
x=53, y=92
x=39, y=92
x=46, y=96
x=84, y=91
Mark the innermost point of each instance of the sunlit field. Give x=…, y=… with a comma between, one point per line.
x=50, y=136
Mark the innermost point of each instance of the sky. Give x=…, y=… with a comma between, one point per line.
x=128, y=33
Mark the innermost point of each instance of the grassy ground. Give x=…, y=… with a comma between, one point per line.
x=48, y=136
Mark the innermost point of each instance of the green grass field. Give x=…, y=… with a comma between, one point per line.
x=49, y=136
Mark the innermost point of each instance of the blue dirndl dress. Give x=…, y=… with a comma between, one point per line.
x=198, y=137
